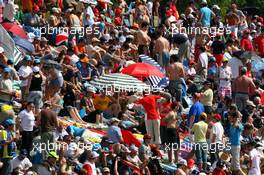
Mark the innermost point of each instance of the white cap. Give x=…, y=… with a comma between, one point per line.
x=204, y=2
x=35, y=69
x=216, y=7
x=2, y=50
x=31, y=37
x=133, y=148
x=183, y=162
x=93, y=155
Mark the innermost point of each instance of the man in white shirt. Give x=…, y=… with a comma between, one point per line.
x=255, y=157
x=202, y=65
x=21, y=162
x=216, y=138
x=235, y=65
x=25, y=73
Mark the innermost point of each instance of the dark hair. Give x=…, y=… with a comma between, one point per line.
x=174, y=58
x=144, y=24
x=202, y=49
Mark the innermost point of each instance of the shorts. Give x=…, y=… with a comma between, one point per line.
x=36, y=98
x=165, y=58
x=172, y=136
x=201, y=150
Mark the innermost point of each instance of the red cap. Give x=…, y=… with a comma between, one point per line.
x=191, y=62
x=260, y=19
x=169, y=12
x=217, y=116
x=247, y=31
x=147, y=136
x=190, y=163
x=36, y=8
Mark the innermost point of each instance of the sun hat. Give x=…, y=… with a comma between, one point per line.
x=35, y=69
x=113, y=120
x=133, y=148
x=85, y=60
x=27, y=58
x=224, y=156
x=243, y=70
x=225, y=59
x=183, y=162
x=106, y=170
x=8, y=122
x=53, y=154
x=216, y=7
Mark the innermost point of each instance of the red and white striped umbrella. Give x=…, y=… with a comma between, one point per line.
x=61, y=37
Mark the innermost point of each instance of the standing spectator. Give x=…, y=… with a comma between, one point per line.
x=175, y=73
x=162, y=47
x=245, y=43
x=202, y=65
x=35, y=90
x=25, y=73
x=153, y=118
x=218, y=48
x=243, y=86
x=48, y=124
x=199, y=130
x=216, y=138
x=145, y=149
x=205, y=14
x=184, y=46
x=259, y=43
x=196, y=110
x=235, y=132
x=27, y=124
x=225, y=76
x=207, y=97
x=235, y=64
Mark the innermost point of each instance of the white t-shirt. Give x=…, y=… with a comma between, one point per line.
x=7, y=85
x=27, y=120
x=235, y=63
x=218, y=130
x=24, y=71
x=23, y=164
x=255, y=157
x=204, y=60
x=135, y=160
x=225, y=73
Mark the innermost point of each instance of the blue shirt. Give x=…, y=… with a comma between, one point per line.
x=206, y=16
x=197, y=109
x=114, y=134
x=234, y=135
x=75, y=130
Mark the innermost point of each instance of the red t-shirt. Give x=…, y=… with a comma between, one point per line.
x=150, y=105
x=246, y=44
x=260, y=42
x=218, y=172
x=164, y=109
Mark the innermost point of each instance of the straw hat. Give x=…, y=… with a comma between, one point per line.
x=225, y=156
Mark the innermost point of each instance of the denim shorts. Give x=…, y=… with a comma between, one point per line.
x=201, y=149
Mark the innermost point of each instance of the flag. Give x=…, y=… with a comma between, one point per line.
x=7, y=43
x=18, y=56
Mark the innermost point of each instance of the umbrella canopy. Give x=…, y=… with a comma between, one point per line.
x=15, y=29
x=24, y=44
x=121, y=83
x=142, y=70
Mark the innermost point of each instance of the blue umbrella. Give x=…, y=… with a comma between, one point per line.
x=24, y=44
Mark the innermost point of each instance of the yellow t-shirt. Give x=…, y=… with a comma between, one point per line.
x=207, y=99
x=101, y=103
x=199, y=129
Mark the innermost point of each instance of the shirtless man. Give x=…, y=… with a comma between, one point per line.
x=172, y=132
x=162, y=49
x=175, y=72
x=142, y=37
x=234, y=18
x=200, y=40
